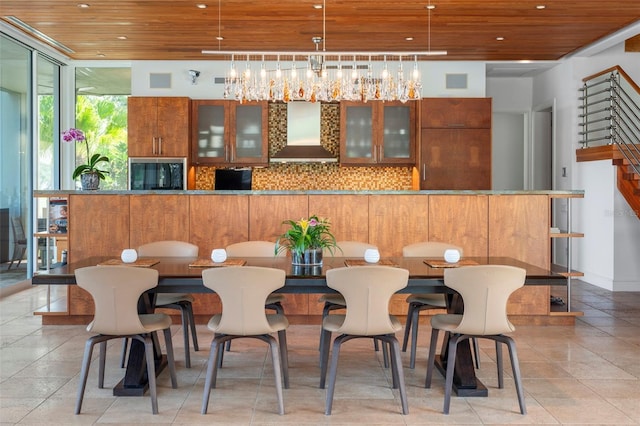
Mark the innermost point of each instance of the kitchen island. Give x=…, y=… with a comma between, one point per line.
x=512, y=224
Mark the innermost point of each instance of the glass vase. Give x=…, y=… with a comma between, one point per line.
x=309, y=257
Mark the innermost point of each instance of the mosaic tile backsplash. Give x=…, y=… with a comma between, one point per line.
x=314, y=176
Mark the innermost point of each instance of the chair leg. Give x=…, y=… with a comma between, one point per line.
x=284, y=357
x=515, y=367
x=170, y=358
x=451, y=361
x=84, y=371
x=324, y=355
x=407, y=326
x=499, y=365
x=151, y=370
x=277, y=373
x=332, y=373
x=415, y=320
x=396, y=364
x=185, y=332
x=432, y=357
x=101, y=362
x=211, y=366
x=192, y=325
x=476, y=352
x=385, y=353
x=123, y=355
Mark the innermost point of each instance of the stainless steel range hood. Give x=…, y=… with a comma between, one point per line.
x=303, y=136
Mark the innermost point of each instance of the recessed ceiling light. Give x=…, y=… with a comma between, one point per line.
x=83, y=5
x=431, y=6
x=201, y=6
x=122, y=37
x=317, y=6
x=100, y=55
x=408, y=38
x=541, y=6
x=219, y=38
x=499, y=38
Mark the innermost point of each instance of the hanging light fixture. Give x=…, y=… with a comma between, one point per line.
x=324, y=82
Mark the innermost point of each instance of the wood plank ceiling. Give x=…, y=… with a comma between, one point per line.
x=180, y=30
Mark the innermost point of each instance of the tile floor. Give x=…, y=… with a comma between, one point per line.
x=584, y=374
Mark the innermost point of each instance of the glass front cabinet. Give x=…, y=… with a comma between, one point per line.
x=377, y=133
x=229, y=133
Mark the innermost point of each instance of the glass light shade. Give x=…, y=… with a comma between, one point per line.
x=451, y=255
x=218, y=255
x=371, y=255
x=129, y=255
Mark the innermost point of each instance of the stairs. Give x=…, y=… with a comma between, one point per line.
x=628, y=181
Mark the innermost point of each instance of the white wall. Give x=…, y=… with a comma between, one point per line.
x=609, y=251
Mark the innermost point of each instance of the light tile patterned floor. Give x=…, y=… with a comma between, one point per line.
x=585, y=374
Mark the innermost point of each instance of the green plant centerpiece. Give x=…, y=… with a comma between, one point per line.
x=89, y=173
x=306, y=239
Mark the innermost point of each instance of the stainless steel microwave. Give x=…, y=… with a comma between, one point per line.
x=155, y=173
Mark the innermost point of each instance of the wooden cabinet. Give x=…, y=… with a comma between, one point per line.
x=166, y=217
x=158, y=127
x=377, y=133
x=229, y=133
x=455, y=143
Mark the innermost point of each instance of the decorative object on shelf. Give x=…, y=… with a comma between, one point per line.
x=371, y=255
x=354, y=77
x=452, y=255
x=306, y=239
x=218, y=255
x=129, y=255
x=90, y=174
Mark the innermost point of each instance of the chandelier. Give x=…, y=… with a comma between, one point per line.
x=321, y=76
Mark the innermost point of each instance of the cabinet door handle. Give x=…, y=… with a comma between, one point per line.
x=424, y=171
x=153, y=145
x=160, y=146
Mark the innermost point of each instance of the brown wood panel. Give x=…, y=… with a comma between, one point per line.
x=267, y=212
x=158, y=217
x=80, y=301
x=348, y=214
x=142, y=118
x=216, y=221
x=397, y=220
x=460, y=220
x=530, y=300
x=455, y=159
x=98, y=225
x=519, y=228
x=456, y=113
x=173, y=124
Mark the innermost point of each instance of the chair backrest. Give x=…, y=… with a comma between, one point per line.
x=367, y=291
x=428, y=249
x=485, y=290
x=350, y=249
x=243, y=291
x=168, y=248
x=115, y=291
x=254, y=249
x=18, y=231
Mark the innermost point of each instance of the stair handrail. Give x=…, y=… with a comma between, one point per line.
x=610, y=105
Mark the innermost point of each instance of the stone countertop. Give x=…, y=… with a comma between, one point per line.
x=53, y=193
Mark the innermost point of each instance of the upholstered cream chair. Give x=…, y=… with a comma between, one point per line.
x=115, y=291
x=367, y=291
x=179, y=301
x=485, y=290
x=243, y=291
x=421, y=302
x=334, y=301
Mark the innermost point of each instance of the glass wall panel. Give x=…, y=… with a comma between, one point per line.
x=15, y=134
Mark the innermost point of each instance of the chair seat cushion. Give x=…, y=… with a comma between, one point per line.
x=274, y=298
x=333, y=298
x=446, y=322
x=155, y=322
x=436, y=300
x=277, y=322
x=334, y=322
x=171, y=298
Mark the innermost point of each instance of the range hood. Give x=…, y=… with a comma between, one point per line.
x=303, y=136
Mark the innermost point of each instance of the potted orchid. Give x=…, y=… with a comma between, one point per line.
x=306, y=239
x=90, y=174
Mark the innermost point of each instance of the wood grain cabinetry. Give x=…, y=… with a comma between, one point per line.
x=229, y=133
x=158, y=126
x=461, y=220
x=377, y=133
x=166, y=217
x=455, y=143
x=397, y=220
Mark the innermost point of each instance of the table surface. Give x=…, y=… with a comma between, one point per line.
x=176, y=275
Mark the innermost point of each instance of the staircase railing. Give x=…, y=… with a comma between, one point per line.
x=610, y=113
